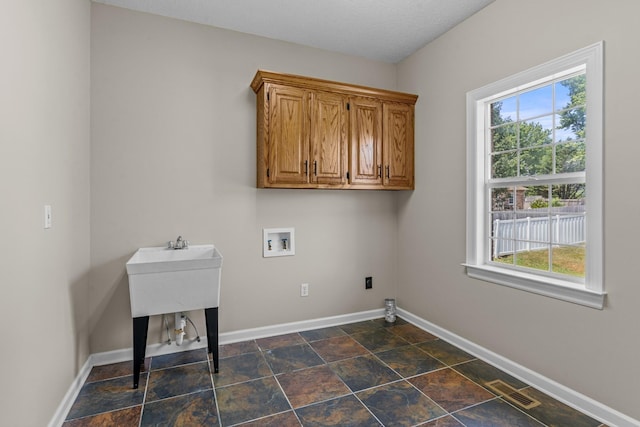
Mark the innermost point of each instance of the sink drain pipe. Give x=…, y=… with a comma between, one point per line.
x=180, y=323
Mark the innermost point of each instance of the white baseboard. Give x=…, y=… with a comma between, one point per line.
x=564, y=394
x=305, y=325
x=70, y=397
x=570, y=397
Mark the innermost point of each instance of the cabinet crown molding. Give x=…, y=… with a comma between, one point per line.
x=263, y=76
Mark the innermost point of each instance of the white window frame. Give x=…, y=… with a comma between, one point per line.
x=591, y=292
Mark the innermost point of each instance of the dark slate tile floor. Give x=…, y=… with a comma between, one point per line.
x=360, y=374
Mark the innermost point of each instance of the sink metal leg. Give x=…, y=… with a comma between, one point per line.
x=140, y=329
x=211, y=317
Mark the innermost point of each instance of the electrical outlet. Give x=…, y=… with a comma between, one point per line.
x=368, y=282
x=304, y=290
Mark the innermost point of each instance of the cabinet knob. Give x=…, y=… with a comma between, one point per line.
x=379, y=171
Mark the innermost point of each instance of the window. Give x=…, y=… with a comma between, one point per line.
x=534, y=184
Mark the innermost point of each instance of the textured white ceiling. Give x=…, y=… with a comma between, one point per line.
x=384, y=30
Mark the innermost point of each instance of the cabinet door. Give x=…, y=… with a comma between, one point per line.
x=366, y=141
x=328, y=138
x=288, y=135
x=398, y=145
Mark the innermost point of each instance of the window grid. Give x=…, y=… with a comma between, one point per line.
x=554, y=112
x=547, y=239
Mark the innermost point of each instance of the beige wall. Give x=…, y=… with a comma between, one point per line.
x=173, y=152
x=591, y=351
x=44, y=154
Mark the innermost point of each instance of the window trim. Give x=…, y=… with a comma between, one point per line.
x=591, y=294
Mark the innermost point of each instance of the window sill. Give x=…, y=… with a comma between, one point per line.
x=550, y=287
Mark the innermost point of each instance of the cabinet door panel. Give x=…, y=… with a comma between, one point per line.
x=328, y=138
x=366, y=141
x=288, y=137
x=398, y=145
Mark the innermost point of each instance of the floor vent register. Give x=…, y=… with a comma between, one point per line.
x=512, y=395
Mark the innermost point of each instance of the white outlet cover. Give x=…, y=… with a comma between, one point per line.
x=47, y=216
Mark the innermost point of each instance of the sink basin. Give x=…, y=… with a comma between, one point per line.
x=165, y=280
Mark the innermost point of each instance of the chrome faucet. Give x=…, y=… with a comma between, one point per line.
x=179, y=244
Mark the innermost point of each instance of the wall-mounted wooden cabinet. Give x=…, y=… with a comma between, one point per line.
x=314, y=133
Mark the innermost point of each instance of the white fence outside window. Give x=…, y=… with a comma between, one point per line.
x=529, y=234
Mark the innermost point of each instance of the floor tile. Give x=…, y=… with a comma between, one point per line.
x=107, y=395
x=445, y=352
x=285, y=419
x=238, y=348
x=323, y=333
x=129, y=417
x=338, y=348
x=409, y=360
x=307, y=386
x=363, y=372
x=383, y=323
x=250, y=400
x=447, y=421
x=495, y=413
x=412, y=333
x=450, y=390
x=195, y=409
x=481, y=372
x=344, y=411
x=554, y=413
x=400, y=404
x=287, y=359
x=244, y=367
x=277, y=341
x=180, y=358
x=182, y=379
x=379, y=340
x=365, y=326
x=115, y=370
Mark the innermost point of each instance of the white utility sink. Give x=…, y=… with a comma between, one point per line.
x=163, y=280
